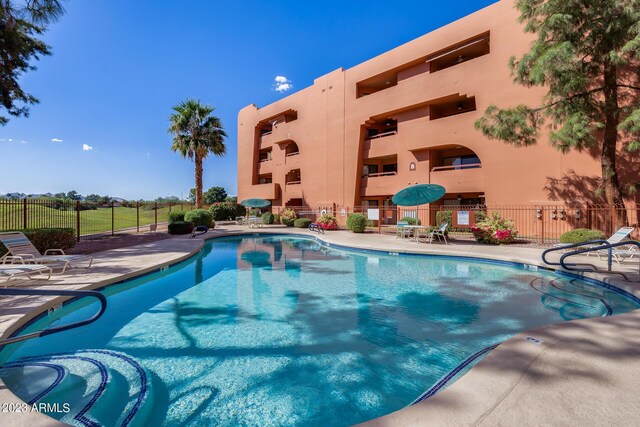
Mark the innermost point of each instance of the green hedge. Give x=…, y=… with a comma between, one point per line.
x=199, y=217
x=302, y=223
x=411, y=220
x=48, y=238
x=357, y=223
x=267, y=218
x=581, y=235
x=180, y=227
x=226, y=211
x=176, y=216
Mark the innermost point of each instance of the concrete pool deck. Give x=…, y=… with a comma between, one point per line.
x=583, y=373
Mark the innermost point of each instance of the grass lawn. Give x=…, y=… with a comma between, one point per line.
x=91, y=221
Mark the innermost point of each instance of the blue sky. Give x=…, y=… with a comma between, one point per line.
x=118, y=66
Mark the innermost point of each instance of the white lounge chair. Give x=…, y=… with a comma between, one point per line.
x=16, y=271
x=620, y=255
x=20, y=248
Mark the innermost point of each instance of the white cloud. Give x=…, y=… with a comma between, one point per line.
x=56, y=140
x=10, y=140
x=282, y=84
x=22, y=141
x=3, y=139
x=86, y=147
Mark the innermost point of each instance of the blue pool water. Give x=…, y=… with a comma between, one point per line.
x=282, y=331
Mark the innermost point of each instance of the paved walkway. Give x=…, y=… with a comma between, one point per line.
x=583, y=373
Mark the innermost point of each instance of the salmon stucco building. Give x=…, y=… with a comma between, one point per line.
x=357, y=136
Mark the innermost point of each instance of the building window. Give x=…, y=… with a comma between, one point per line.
x=460, y=161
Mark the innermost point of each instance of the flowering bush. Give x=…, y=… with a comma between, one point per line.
x=494, y=229
x=327, y=222
x=287, y=217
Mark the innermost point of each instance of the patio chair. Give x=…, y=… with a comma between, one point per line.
x=16, y=271
x=400, y=230
x=256, y=223
x=438, y=232
x=20, y=248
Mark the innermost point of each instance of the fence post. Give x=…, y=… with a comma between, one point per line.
x=542, y=216
x=155, y=211
x=137, y=217
x=24, y=214
x=169, y=208
x=380, y=213
x=78, y=220
x=113, y=219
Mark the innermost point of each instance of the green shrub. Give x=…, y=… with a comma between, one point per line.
x=411, y=220
x=267, y=218
x=276, y=218
x=48, y=238
x=227, y=211
x=199, y=217
x=176, y=216
x=327, y=222
x=288, y=216
x=357, y=223
x=581, y=235
x=302, y=223
x=180, y=227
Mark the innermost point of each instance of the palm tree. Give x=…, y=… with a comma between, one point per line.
x=196, y=134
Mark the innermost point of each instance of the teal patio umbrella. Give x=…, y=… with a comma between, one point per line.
x=419, y=195
x=255, y=203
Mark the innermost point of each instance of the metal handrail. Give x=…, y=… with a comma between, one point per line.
x=55, y=329
x=569, y=246
x=608, y=246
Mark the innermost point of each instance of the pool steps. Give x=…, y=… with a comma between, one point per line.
x=108, y=388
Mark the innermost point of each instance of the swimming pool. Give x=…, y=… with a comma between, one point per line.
x=281, y=330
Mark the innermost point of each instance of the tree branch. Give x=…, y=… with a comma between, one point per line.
x=630, y=87
x=577, y=95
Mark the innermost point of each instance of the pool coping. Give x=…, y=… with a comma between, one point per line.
x=398, y=417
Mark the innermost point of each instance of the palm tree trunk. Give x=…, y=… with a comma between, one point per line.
x=613, y=192
x=198, y=162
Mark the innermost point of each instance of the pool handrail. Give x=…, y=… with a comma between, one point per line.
x=608, y=247
x=598, y=242
x=48, y=331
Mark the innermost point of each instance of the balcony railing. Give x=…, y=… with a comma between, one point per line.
x=456, y=167
x=382, y=135
x=293, y=154
x=293, y=183
x=374, y=175
x=265, y=160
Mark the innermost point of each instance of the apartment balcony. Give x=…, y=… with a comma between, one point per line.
x=380, y=184
x=384, y=144
x=265, y=167
x=292, y=160
x=293, y=190
x=460, y=178
x=269, y=191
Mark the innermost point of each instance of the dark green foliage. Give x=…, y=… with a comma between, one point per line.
x=581, y=235
x=199, y=217
x=180, y=227
x=214, y=195
x=176, y=216
x=267, y=218
x=48, y=238
x=227, y=211
x=276, y=218
x=20, y=27
x=302, y=223
x=411, y=220
x=357, y=223
x=586, y=54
